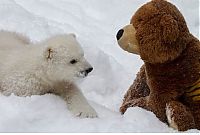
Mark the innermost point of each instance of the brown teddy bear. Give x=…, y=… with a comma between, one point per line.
x=168, y=83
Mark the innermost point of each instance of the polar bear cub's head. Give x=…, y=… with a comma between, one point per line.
x=65, y=58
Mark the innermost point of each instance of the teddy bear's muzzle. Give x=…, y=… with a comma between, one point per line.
x=127, y=40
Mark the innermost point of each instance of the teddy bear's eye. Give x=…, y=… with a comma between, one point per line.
x=140, y=20
x=73, y=61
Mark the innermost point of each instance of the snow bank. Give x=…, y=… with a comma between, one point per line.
x=95, y=23
x=48, y=113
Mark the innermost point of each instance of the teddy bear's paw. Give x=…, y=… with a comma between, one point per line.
x=179, y=117
x=123, y=109
x=140, y=102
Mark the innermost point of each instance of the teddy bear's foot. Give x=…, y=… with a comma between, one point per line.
x=140, y=102
x=179, y=117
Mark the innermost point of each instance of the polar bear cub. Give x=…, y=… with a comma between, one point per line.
x=50, y=66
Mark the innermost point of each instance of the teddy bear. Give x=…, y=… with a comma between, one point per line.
x=168, y=84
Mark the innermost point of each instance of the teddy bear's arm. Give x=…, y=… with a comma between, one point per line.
x=138, y=89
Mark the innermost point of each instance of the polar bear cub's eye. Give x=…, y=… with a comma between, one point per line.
x=73, y=61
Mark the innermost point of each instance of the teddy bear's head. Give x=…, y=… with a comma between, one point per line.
x=157, y=32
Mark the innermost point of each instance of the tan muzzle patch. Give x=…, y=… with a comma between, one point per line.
x=127, y=40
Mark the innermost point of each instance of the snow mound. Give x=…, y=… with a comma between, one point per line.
x=49, y=113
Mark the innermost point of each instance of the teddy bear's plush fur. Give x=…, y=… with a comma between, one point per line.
x=168, y=83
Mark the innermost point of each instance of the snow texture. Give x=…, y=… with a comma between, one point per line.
x=95, y=22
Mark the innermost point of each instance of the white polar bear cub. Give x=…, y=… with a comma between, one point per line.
x=50, y=66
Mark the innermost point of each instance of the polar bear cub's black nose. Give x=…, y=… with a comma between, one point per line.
x=89, y=70
x=119, y=34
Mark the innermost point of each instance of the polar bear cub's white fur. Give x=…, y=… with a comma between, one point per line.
x=50, y=66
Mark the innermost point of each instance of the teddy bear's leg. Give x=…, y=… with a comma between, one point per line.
x=197, y=119
x=157, y=103
x=196, y=115
x=179, y=116
x=138, y=89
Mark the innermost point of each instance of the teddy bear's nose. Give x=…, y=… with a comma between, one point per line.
x=119, y=34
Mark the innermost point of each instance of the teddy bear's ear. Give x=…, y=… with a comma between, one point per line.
x=169, y=28
x=160, y=42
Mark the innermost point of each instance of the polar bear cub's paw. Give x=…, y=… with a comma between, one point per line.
x=85, y=112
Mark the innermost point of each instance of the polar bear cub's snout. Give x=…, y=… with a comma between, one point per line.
x=86, y=72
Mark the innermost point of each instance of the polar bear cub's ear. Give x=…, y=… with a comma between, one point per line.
x=72, y=34
x=49, y=53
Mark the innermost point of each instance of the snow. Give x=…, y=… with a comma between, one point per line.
x=95, y=22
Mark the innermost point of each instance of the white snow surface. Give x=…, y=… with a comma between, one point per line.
x=95, y=22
